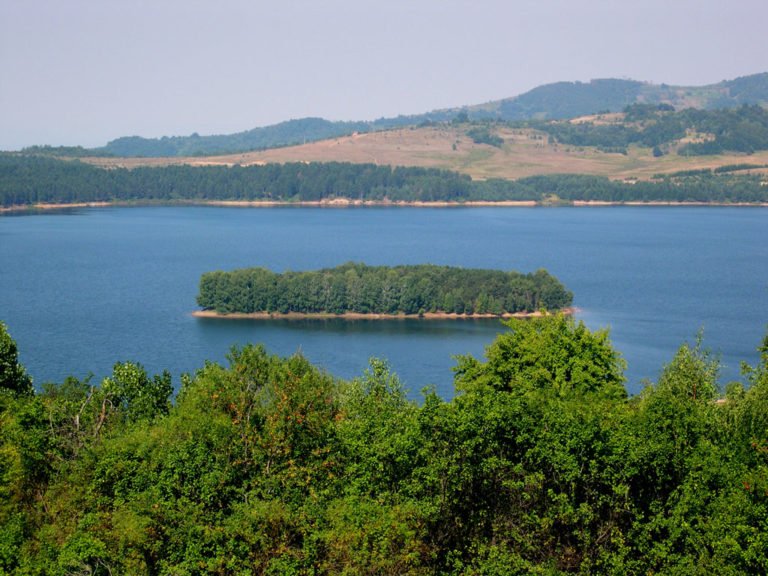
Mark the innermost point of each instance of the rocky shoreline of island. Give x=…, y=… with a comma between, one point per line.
x=375, y=316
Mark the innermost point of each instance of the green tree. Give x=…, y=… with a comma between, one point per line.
x=13, y=376
x=25, y=450
x=134, y=394
x=377, y=431
x=551, y=352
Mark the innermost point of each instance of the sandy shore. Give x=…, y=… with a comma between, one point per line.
x=343, y=202
x=359, y=316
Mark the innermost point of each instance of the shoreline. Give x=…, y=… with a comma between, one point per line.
x=350, y=203
x=374, y=316
x=55, y=206
x=664, y=203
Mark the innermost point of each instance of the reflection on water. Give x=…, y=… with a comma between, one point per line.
x=421, y=349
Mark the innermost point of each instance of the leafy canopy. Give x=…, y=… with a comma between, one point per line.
x=553, y=353
x=13, y=376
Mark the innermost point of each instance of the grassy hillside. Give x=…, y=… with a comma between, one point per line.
x=524, y=152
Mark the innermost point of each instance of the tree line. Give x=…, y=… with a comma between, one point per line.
x=355, y=287
x=539, y=465
x=26, y=180
x=700, y=187
x=32, y=179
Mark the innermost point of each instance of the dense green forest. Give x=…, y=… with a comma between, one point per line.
x=382, y=290
x=64, y=152
x=539, y=465
x=743, y=129
x=26, y=180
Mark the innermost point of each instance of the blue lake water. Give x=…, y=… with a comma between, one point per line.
x=83, y=289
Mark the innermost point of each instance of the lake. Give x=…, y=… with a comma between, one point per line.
x=82, y=289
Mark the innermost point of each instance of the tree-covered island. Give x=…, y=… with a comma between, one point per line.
x=355, y=288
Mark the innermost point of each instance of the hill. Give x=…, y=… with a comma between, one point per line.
x=559, y=100
x=282, y=134
x=563, y=100
x=525, y=151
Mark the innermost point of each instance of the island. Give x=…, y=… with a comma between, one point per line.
x=355, y=290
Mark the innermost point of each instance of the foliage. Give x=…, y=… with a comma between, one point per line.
x=483, y=135
x=555, y=353
x=736, y=167
x=134, y=394
x=64, y=151
x=697, y=187
x=743, y=129
x=539, y=465
x=381, y=290
x=26, y=180
x=13, y=377
x=30, y=179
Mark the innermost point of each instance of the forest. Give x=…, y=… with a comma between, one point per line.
x=540, y=464
x=743, y=129
x=26, y=180
x=355, y=287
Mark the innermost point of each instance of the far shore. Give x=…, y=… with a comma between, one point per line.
x=361, y=316
x=343, y=202
x=347, y=202
x=588, y=203
x=54, y=206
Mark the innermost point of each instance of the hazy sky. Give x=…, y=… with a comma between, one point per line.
x=87, y=71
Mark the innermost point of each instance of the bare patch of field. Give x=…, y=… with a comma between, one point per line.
x=524, y=153
x=599, y=119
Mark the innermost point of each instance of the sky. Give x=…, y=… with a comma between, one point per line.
x=84, y=72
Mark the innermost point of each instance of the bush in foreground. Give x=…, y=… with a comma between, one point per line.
x=540, y=464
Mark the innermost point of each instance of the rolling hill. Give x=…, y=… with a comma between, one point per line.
x=563, y=100
x=549, y=102
x=524, y=152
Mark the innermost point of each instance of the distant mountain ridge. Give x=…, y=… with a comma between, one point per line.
x=287, y=133
x=559, y=100
x=563, y=100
